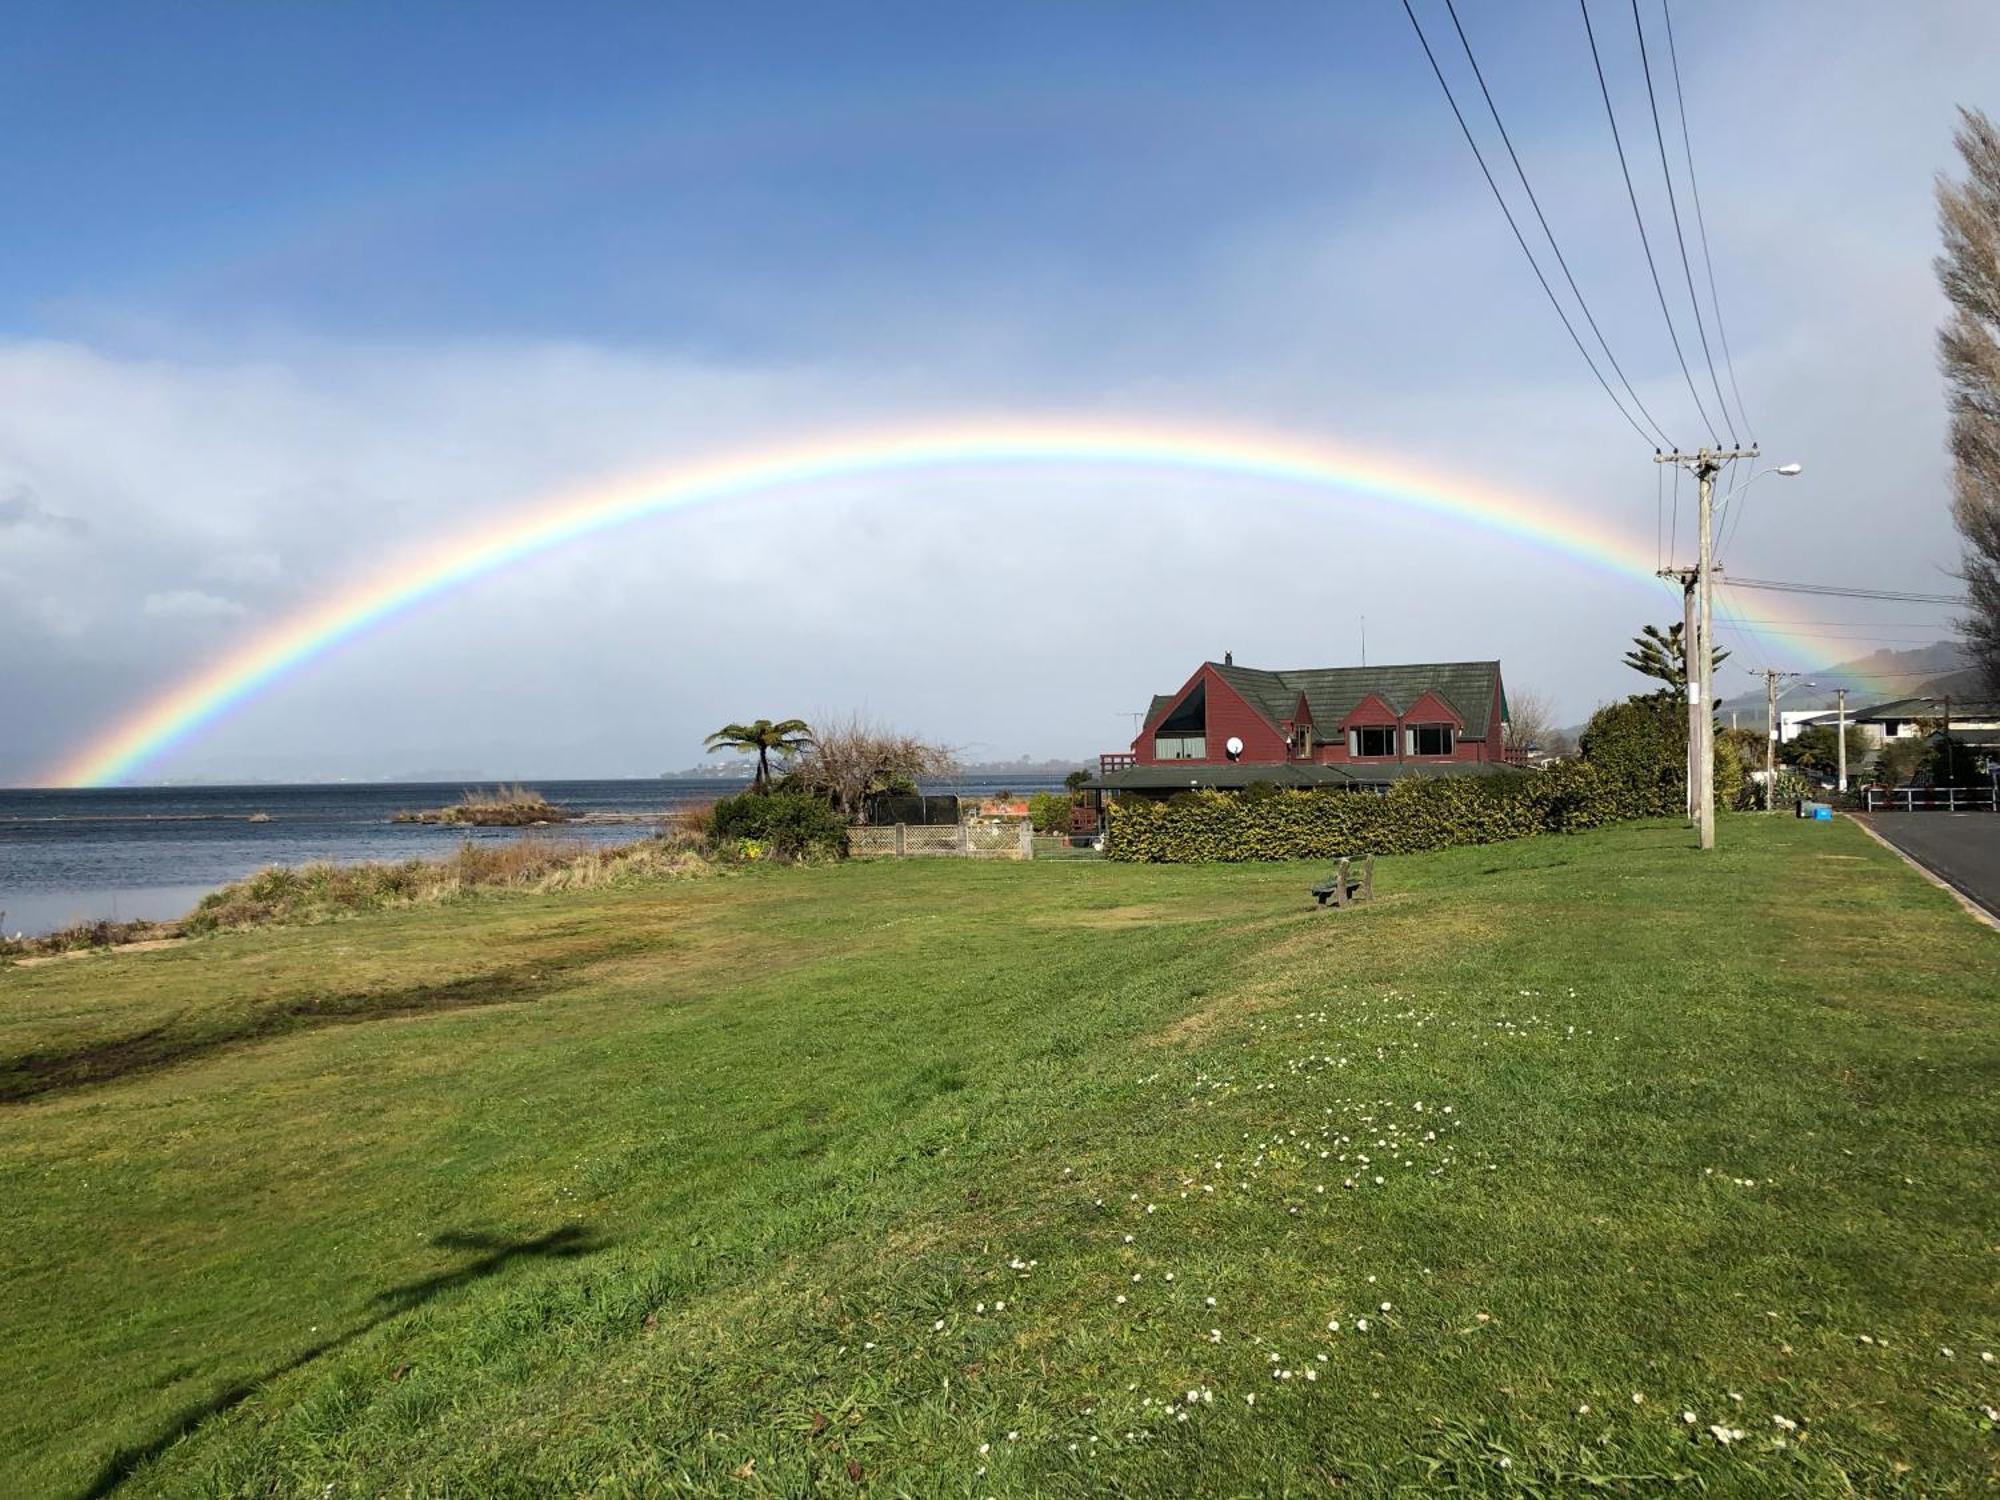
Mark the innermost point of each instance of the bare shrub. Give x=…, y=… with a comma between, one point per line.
x=852, y=759
x=1531, y=724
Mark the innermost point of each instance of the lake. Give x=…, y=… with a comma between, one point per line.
x=149, y=853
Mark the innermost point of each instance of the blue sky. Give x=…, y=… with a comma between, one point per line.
x=632, y=173
x=287, y=289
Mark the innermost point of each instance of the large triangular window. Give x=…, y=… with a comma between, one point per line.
x=1183, y=733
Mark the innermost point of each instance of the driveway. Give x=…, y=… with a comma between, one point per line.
x=1962, y=849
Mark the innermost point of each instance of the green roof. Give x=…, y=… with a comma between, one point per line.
x=1332, y=693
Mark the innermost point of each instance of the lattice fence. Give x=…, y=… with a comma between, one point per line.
x=1005, y=840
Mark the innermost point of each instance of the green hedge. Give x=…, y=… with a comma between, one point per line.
x=1049, y=812
x=1414, y=815
x=791, y=825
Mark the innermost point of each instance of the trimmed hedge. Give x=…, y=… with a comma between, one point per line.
x=1414, y=815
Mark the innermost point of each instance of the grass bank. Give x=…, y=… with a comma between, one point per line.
x=323, y=891
x=965, y=1178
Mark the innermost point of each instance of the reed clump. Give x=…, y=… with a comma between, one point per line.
x=293, y=894
x=79, y=935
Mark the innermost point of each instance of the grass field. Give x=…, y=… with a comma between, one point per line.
x=1581, y=1163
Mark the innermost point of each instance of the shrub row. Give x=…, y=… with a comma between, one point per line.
x=1413, y=815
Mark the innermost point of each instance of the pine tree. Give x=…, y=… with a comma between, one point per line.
x=1662, y=655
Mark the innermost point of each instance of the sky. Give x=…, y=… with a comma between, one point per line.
x=288, y=293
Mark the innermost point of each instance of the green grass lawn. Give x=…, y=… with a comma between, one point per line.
x=1578, y=1163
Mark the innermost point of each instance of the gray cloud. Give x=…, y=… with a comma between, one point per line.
x=190, y=604
x=19, y=507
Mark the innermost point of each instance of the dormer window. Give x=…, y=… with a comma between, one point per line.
x=1430, y=739
x=1372, y=740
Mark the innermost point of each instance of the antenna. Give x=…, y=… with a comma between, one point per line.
x=1364, y=640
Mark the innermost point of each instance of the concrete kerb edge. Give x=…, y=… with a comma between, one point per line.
x=1978, y=912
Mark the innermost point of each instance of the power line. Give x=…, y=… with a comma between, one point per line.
x=1659, y=518
x=1856, y=624
x=1637, y=218
x=1519, y=238
x=1701, y=223
x=1674, y=208
x=1753, y=643
x=1674, y=529
x=1521, y=172
x=1734, y=522
x=1834, y=591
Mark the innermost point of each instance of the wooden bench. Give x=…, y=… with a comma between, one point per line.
x=1343, y=889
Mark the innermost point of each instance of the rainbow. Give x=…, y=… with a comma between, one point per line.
x=201, y=699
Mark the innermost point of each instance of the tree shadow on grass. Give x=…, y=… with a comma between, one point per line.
x=494, y=1252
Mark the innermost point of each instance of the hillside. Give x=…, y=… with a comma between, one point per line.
x=1554, y=1168
x=1874, y=678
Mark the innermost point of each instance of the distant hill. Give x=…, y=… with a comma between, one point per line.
x=1875, y=678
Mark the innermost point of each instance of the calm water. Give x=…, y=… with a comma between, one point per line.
x=150, y=852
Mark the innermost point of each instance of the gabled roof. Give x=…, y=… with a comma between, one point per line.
x=1333, y=692
x=1924, y=708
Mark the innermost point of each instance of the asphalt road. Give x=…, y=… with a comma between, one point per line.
x=1960, y=848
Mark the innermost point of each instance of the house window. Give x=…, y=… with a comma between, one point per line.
x=1183, y=733
x=1374, y=739
x=1430, y=739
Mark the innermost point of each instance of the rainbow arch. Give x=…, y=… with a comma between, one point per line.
x=171, y=718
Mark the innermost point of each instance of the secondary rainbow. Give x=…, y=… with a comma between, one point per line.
x=203, y=697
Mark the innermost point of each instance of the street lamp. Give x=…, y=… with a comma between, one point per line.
x=1789, y=471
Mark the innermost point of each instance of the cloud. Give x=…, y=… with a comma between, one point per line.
x=18, y=507
x=252, y=569
x=191, y=604
x=234, y=474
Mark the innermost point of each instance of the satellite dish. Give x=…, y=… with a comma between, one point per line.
x=1234, y=746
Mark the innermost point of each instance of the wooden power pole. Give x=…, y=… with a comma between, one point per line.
x=1687, y=577
x=1841, y=751
x=1771, y=736
x=1704, y=464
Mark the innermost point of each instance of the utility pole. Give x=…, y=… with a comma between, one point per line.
x=1687, y=577
x=1950, y=763
x=1705, y=464
x=1841, y=695
x=1771, y=736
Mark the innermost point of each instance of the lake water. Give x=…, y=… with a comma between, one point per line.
x=149, y=853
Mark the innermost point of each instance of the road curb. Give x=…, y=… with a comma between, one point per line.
x=1978, y=912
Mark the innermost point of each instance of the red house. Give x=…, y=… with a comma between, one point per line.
x=1229, y=726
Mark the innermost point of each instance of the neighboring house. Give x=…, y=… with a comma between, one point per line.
x=1229, y=726
x=1906, y=718
x=1975, y=722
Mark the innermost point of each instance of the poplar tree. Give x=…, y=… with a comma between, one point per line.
x=1969, y=354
